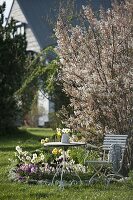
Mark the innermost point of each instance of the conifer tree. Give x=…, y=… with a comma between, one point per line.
x=12, y=70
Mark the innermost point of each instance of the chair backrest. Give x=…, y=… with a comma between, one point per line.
x=115, y=145
x=114, y=139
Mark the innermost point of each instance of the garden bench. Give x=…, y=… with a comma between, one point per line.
x=109, y=166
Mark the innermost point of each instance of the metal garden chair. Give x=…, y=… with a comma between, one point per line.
x=109, y=167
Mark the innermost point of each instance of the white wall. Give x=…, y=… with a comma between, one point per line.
x=43, y=106
x=18, y=15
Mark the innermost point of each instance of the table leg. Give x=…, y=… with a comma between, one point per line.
x=63, y=168
x=60, y=171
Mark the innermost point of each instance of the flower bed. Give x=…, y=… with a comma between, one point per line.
x=41, y=165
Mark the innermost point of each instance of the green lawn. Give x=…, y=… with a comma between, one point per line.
x=17, y=191
x=42, y=132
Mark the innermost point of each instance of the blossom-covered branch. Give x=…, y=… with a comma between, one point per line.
x=96, y=68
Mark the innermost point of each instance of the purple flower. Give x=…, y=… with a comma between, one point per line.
x=28, y=168
x=33, y=169
x=21, y=178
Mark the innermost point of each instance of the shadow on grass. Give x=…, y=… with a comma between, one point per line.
x=20, y=134
x=22, y=138
x=13, y=137
x=15, y=133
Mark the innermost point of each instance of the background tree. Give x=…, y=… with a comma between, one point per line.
x=12, y=71
x=44, y=68
x=97, y=71
x=43, y=74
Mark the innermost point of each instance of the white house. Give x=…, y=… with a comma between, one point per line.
x=30, y=16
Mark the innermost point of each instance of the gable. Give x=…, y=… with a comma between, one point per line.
x=17, y=14
x=36, y=12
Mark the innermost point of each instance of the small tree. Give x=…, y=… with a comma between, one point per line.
x=97, y=69
x=12, y=70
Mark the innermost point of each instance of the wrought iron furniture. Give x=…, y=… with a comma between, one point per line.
x=109, y=166
x=61, y=170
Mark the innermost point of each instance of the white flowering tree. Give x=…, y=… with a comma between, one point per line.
x=97, y=68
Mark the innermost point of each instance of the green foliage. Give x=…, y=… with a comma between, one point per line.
x=45, y=77
x=91, y=155
x=50, y=80
x=12, y=70
x=54, y=120
x=129, y=182
x=78, y=155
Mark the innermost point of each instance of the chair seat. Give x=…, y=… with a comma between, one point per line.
x=98, y=162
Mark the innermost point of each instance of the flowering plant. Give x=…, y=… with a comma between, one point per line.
x=43, y=141
x=27, y=165
x=60, y=132
x=42, y=163
x=24, y=157
x=73, y=137
x=41, y=166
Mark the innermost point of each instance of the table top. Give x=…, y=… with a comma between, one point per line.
x=58, y=144
x=62, y=144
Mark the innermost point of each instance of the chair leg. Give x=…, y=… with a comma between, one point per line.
x=95, y=174
x=114, y=176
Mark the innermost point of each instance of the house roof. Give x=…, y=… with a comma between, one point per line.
x=38, y=11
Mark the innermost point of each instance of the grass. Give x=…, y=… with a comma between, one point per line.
x=42, y=132
x=30, y=139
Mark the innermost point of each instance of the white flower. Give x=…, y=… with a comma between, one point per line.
x=34, y=155
x=25, y=153
x=18, y=149
x=33, y=160
x=42, y=157
x=66, y=130
x=28, y=158
x=42, y=141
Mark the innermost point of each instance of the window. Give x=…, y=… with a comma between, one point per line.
x=20, y=28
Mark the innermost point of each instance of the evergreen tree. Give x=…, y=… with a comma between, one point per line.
x=12, y=71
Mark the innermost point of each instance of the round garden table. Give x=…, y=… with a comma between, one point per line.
x=65, y=146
